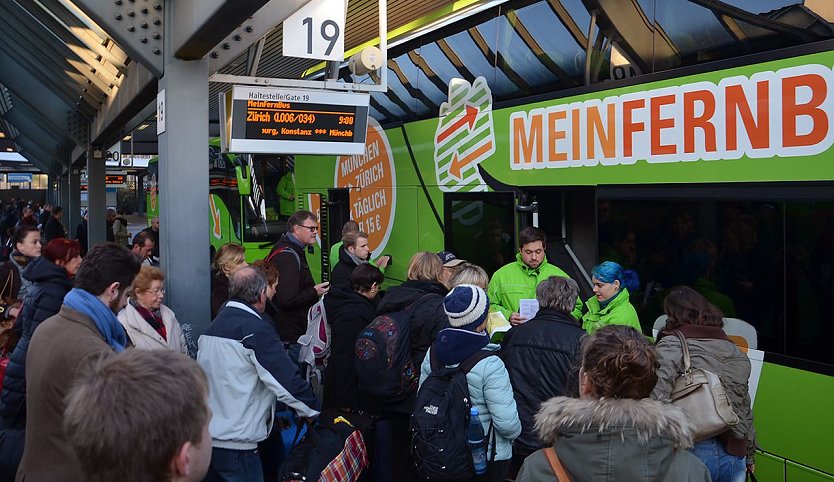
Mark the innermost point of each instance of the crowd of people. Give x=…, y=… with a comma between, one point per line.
x=100, y=385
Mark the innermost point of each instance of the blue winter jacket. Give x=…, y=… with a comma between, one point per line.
x=50, y=283
x=490, y=391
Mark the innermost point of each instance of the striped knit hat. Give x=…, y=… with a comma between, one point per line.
x=466, y=306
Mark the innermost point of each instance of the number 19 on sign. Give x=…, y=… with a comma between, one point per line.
x=316, y=31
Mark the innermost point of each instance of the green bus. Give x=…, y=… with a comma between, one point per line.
x=242, y=200
x=719, y=179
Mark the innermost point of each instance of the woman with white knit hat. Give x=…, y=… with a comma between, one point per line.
x=467, y=307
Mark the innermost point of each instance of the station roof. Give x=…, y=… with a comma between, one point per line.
x=70, y=74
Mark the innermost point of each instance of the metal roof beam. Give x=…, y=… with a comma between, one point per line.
x=134, y=94
x=40, y=40
x=137, y=27
x=44, y=156
x=202, y=24
x=235, y=42
x=47, y=139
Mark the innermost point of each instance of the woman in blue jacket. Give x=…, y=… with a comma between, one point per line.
x=490, y=390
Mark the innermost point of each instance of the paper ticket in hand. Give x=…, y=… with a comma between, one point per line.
x=528, y=307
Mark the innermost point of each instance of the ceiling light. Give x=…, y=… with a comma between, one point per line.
x=126, y=138
x=2, y=135
x=9, y=149
x=143, y=126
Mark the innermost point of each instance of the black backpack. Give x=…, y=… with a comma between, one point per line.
x=384, y=364
x=441, y=416
x=332, y=447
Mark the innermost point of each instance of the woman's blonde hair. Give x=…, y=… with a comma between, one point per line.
x=147, y=275
x=425, y=266
x=228, y=256
x=469, y=274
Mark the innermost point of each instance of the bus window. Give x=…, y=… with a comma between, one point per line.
x=480, y=228
x=262, y=216
x=768, y=262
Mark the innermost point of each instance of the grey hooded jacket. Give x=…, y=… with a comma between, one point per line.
x=614, y=440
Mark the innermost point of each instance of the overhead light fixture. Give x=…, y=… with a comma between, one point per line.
x=126, y=138
x=143, y=126
x=9, y=149
x=2, y=135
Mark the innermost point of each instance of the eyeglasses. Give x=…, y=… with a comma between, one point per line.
x=312, y=229
x=157, y=292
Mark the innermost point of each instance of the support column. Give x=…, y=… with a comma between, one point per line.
x=72, y=211
x=184, y=188
x=96, y=201
x=63, y=182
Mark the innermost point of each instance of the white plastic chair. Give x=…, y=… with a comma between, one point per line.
x=742, y=333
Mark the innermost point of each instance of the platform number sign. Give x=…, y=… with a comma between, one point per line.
x=316, y=31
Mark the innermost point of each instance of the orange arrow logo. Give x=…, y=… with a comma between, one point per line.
x=215, y=217
x=458, y=164
x=467, y=118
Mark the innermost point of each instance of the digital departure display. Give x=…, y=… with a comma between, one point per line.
x=290, y=121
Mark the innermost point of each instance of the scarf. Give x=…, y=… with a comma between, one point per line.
x=153, y=317
x=21, y=259
x=87, y=304
x=295, y=240
x=356, y=259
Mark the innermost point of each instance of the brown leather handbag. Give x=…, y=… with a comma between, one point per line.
x=702, y=397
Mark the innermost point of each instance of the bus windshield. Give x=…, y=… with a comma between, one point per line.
x=263, y=219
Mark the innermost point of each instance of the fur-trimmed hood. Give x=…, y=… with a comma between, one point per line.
x=646, y=418
x=615, y=440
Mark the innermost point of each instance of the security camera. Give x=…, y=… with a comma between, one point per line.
x=366, y=61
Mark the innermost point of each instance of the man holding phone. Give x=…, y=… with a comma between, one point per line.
x=297, y=291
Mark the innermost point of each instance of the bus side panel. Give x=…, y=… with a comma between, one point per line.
x=798, y=473
x=770, y=468
x=793, y=416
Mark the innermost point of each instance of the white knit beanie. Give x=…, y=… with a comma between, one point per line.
x=466, y=306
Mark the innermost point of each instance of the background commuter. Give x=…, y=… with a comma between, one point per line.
x=353, y=253
x=28, y=218
x=729, y=455
x=53, y=229
x=227, y=261
x=27, y=246
x=297, y=291
x=110, y=218
x=348, y=312
x=121, y=235
x=613, y=428
x=518, y=280
x=451, y=263
x=151, y=418
x=85, y=327
x=50, y=276
x=44, y=215
x=142, y=247
x=81, y=234
x=490, y=391
x=550, y=339
x=248, y=372
x=610, y=304
x=470, y=274
x=8, y=223
x=153, y=230
x=352, y=226
x=423, y=292
x=149, y=324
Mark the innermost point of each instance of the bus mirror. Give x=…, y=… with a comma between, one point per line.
x=244, y=182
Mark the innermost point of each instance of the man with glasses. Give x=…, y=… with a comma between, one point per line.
x=297, y=291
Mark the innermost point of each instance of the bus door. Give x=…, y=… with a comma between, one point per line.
x=338, y=213
x=480, y=227
x=568, y=217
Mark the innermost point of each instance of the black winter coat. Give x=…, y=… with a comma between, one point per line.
x=50, y=284
x=340, y=278
x=542, y=358
x=348, y=313
x=428, y=316
x=53, y=229
x=296, y=290
x=219, y=291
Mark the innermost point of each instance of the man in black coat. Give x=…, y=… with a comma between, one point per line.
x=542, y=357
x=53, y=229
x=297, y=291
x=353, y=252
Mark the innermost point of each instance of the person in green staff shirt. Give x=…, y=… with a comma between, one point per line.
x=286, y=192
x=518, y=280
x=610, y=304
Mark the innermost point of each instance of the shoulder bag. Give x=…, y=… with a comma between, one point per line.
x=556, y=465
x=702, y=397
